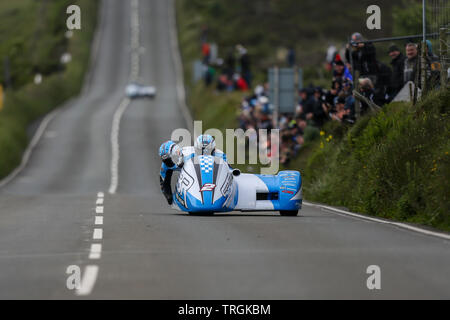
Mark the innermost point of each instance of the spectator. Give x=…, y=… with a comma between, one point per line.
x=332, y=94
x=204, y=34
x=398, y=64
x=259, y=91
x=347, y=94
x=363, y=56
x=412, y=71
x=240, y=82
x=341, y=113
x=383, y=83
x=223, y=82
x=341, y=72
x=331, y=57
x=230, y=64
x=206, y=53
x=411, y=63
x=209, y=75
x=320, y=110
x=244, y=60
x=434, y=67
x=291, y=57
x=306, y=105
x=366, y=88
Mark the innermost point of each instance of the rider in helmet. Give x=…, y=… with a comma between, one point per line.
x=170, y=154
x=173, y=157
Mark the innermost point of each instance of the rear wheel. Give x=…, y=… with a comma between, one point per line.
x=292, y=213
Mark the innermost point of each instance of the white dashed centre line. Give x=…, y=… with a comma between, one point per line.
x=96, y=251
x=88, y=281
x=98, y=234
x=98, y=220
x=91, y=272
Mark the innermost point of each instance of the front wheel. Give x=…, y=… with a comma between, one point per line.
x=292, y=213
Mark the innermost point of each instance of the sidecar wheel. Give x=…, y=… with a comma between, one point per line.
x=201, y=214
x=292, y=213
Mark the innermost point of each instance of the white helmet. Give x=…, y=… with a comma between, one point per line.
x=205, y=145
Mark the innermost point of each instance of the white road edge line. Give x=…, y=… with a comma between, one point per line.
x=396, y=224
x=115, y=148
x=88, y=281
x=134, y=75
x=28, y=151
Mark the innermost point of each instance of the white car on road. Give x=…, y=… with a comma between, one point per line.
x=134, y=90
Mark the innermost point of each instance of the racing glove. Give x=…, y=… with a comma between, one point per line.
x=166, y=187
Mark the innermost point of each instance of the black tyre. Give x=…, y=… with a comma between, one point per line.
x=292, y=213
x=201, y=214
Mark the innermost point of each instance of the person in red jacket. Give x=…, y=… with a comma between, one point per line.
x=206, y=52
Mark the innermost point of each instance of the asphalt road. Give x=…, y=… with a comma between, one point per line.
x=148, y=251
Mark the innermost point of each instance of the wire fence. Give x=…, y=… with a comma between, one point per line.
x=438, y=16
x=431, y=69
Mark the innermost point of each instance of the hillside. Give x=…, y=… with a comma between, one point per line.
x=264, y=26
x=36, y=47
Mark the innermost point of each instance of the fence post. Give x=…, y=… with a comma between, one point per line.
x=357, y=102
x=416, y=78
x=443, y=47
x=423, y=68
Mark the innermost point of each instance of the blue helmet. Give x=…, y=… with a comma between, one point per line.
x=166, y=149
x=205, y=144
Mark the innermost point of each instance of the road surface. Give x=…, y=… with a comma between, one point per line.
x=131, y=245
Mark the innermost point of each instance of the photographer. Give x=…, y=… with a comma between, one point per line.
x=363, y=56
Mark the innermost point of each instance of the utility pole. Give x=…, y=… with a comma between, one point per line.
x=276, y=95
x=357, y=102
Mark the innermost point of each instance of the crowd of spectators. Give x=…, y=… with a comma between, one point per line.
x=235, y=69
x=377, y=82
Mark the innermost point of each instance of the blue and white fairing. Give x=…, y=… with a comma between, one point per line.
x=207, y=184
x=281, y=192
